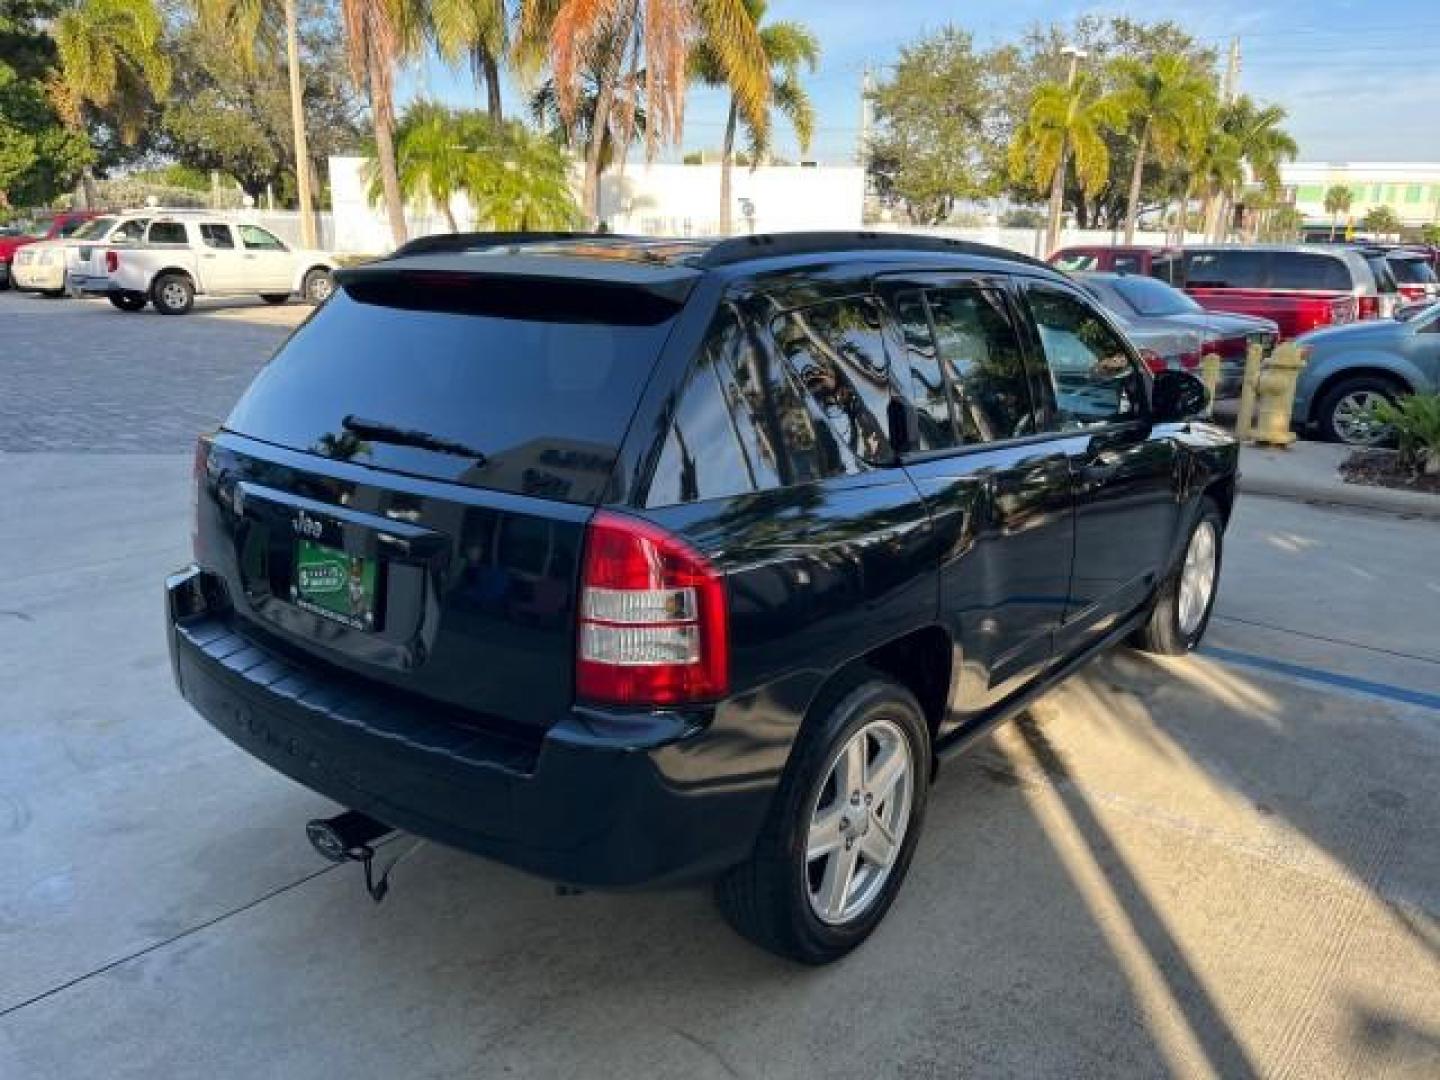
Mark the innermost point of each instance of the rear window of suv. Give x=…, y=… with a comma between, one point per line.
x=529, y=388
x=1411, y=271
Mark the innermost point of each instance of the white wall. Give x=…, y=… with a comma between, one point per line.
x=684, y=200
x=653, y=200
x=1032, y=241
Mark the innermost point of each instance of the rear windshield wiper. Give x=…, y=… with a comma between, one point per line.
x=379, y=431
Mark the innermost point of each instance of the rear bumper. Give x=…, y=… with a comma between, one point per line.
x=604, y=801
x=90, y=284
x=36, y=277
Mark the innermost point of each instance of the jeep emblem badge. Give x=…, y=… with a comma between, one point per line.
x=305, y=525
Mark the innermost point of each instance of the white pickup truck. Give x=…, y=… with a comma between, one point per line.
x=185, y=257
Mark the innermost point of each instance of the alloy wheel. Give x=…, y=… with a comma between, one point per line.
x=1354, y=421
x=1197, y=578
x=858, y=822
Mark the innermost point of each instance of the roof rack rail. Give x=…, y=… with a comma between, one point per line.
x=771, y=245
x=442, y=243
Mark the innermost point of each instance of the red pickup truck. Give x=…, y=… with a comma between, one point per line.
x=45, y=228
x=1299, y=288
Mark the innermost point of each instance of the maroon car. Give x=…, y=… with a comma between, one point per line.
x=1298, y=288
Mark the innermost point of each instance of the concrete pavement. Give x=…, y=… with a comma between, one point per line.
x=1190, y=868
x=1310, y=472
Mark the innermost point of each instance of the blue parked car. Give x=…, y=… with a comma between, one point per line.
x=1352, y=367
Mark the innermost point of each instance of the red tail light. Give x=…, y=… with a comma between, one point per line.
x=654, y=622
x=1369, y=307
x=112, y=261
x=1153, y=360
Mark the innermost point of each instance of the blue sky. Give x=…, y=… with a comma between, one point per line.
x=1361, y=79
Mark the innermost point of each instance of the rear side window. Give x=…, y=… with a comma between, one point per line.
x=837, y=352
x=1094, y=379
x=962, y=338
x=1227, y=270
x=1075, y=261
x=72, y=226
x=167, y=232
x=1129, y=264
x=703, y=456
x=216, y=235
x=520, y=389
x=1412, y=271
x=1301, y=270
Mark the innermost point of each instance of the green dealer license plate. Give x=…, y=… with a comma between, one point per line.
x=335, y=585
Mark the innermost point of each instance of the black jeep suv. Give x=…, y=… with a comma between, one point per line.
x=627, y=561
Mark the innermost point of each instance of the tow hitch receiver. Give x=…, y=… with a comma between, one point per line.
x=349, y=837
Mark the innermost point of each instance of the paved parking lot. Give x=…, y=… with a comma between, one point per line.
x=1227, y=865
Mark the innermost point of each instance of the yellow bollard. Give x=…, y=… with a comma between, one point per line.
x=1276, y=393
x=1210, y=376
x=1245, y=420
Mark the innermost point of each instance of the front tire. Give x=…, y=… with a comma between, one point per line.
x=841, y=832
x=1341, y=414
x=128, y=301
x=172, y=294
x=1187, y=596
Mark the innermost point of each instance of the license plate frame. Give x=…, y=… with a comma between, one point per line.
x=336, y=585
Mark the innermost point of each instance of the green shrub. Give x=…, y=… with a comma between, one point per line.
x=1416, y=422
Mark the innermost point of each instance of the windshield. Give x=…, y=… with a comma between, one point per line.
x=1153, y=298
x=1412, y=271
x=93, y=228
x=37, y=229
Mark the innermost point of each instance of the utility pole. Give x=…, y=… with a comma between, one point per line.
x=1217, y=209
x=297, y=123
x=867, y=115
x=1232, y=73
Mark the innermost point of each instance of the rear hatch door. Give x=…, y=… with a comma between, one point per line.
x=403, y=491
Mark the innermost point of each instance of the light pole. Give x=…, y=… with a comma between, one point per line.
x=1057, y=184
x=297, y=122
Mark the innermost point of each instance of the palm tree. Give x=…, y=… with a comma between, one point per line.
x=377, y=34
x=477, y=31
x=526, y=185
x=246, y=23
x=789, y=47
x=1162, y=96
x=1065, y=118
x=627, y=119
x=1260, y=143
x=648, y=40
x=112, y=58
x=1338, y=199
x=432, y=158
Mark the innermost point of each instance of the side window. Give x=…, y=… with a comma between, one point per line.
x=1075, y=261
x=70, y=226
x=257, y=239
x=765, y=434
x=982, y=359
x=1300, y=270
x=837, y=351
x=928, y=389
x=702, y=457
x=216, y=235
x=167, y=232
x=1094, y=379
x=1168, y=268
x=1129, y=264
x=1226, y=270
x=129, y=231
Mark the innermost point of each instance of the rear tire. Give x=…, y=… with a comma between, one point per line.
x=127, y=301
x=172, y=294
x=1186, y=598
x=1340, y=412
x=275, y=297
x=318, y=285
x=827, y=865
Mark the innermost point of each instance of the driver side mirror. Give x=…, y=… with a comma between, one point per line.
x=1177, y=395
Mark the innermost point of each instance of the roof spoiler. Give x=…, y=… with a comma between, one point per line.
x=449, y=243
